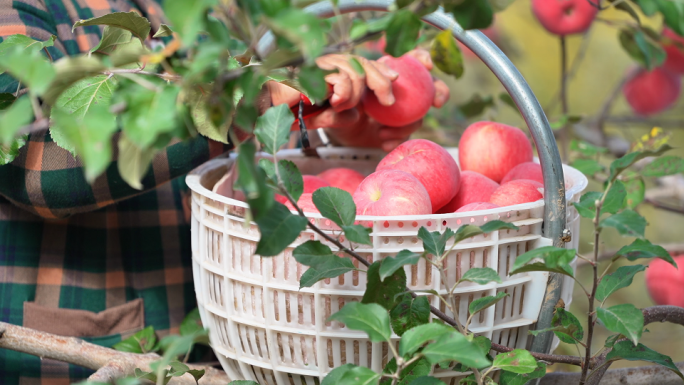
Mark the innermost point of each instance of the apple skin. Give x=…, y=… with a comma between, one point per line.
x=305, y=203
x=651, y=92
x=473, y=187
x=493, y=149
x=413, y=90
x=431, y=164
x=342, y=178
x=675, y=55
x=392, y=192
x=527, y=170
x=665, y=283
x=476, y=206
x=516, y=192
x=564, y=17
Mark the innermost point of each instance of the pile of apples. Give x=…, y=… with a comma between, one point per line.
x=647, y=92
x=420, y=177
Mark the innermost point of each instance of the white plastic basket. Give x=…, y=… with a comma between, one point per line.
x=264, y=328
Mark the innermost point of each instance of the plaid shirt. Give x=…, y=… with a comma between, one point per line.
x=97, y=261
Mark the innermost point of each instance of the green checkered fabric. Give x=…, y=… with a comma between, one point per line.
x=76, y=251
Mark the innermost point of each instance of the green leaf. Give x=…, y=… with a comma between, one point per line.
x=518, y=361
x=621, y=164
x=402, y=32
x=11, y=151
x=414, y=338
x=615, y=198
x=508, y=100
x=191, y=323
x=24, y=42
x=130, y=21
x=565, y=326
x=673, y=15
x=622, y=277
x=12, y=119
x=624, y=350
x=252, y=181
x=199, y=109
x=625, y=319
x=667, y=165
x=555, y=259
x=149, y=114
x=133, y=162
x=643, y=248
x=187, y=17
x=427, y=380
x=588, y=167
x=481, y=275
x=446, y=55
x=370, y=318
x=178, y=369
x=455, y=347
x=358, y=233
x=509, y=378
x=476, y=105
x=303, y=29
x=312, y=253
x=279, y=228
x=627, y=222
x=289, y=175
x=641, y=48
x=90, y=136
x=68, y=71
x=410, y=313
x=497, y=225
x=29, y=67
x=482, y=303
x=434, y=242
x=273, y=128
x=333, y=378
x=321, y=261
x=112, y=37
x=636, y=192
x=312, y=79
x=359, y=375
x=627, y=8
x=163, y=31
x=586, y=149
x=586, y=206
x=471, y=14
x=335, y=204
x=141, y=342
x=383, y=292
x=6, y=100
x=392, y=264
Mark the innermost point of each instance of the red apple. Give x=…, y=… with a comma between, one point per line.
x=305, y=203
x=493, y=149
x=516, y=192
x=476, y=206
x=431, y=164
x=342, y=178
x=564, y=17
x=527, y=170
x=413, y=90
x=665, y=283
x=474, y=187
x=311, y=184
x=651, y=92
x=675, y=53
x=392, y=192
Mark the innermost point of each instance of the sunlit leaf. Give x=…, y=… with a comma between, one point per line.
x=112, y=37
x=446, y=55
x=12, y=119
x=625, y=319
x=29, y=67
x=163, y=31
x=130, y=21
x=518, y=361
x=133, y=162
x=370, y=318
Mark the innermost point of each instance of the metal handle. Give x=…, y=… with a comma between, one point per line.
x=531, y=110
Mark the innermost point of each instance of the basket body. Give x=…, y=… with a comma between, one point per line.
x=264, y=328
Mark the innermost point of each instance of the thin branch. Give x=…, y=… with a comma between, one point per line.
x=670, y=247
x=564, y=96
x=139, y=71
x=607, y=105
x=663, y=206
x=579, y=57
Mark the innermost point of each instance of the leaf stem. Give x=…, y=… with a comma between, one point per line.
x=37, y=111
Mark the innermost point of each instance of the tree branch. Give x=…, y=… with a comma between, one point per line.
x=645, y=375
x=108, y=363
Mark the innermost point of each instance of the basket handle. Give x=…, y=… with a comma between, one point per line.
x=531, y=110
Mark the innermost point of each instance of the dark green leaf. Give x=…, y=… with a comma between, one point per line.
x=471, y=14
x=383, y=292
x=627, y=8
x=141, y=342
x=370, y=318
x=29, y=67
x=427, y=380
x=434, y=242
x=358, y=233
x=197, y=374
x=146, y=375
x=624, y=350
x=586, y=149
x=279, y=228
x=518, y=361
x=641, y=48
x=476, y=105
x=621, y=164
x=112, y=37
x=622, y=277
x=446, y=55
x=273, y=128
x=481, y=275
x=133, y=162
x=615, y=198
x=414, y=338
x=555, y=259
x=335, y=204
x=289, y=175
x=643, y=248
x=24, y=42
x=392, y=264
x=177, y=368
x=333, y=378
x=130, y=21
x=410, y=313
x=191, y=323
x=272, y=7
x=12, y=119
x=667, y=165
x=303, y=29
x=187, y=17
x=163, y=31
x=565, y=326
x=359, y=375
x=6, y=100
x=636, y=192
x=11, y=151
x=321, y=261
x=673, y=14
x=312, y=253
x=586, y=206
x=252, y=181
x=149, y=113
x=312, y=79
x=455, y=347
x=509, y=378
x=625, y=319
x=484, y=343
x=588, y=167
x=627, y=222
x=402, y=32
x=482, y=303
x=508, y=100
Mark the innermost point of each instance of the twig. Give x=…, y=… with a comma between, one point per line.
x=579, y=57
x=48, y=54
x=164, y=76
x=644, y=375
x=662, y=206
x=564, y=96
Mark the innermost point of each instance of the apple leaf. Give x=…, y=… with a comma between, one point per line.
x=402, y=32
x=636, y=192
x=13, y=118
x=622, y=277
x=273, y=128
x=621, y=164
x=471, y=14
x=409, y=313
x=667, y=165
x=454, y=346
x=414, y=338
x=289, y=175
x=130, y=21
x=481, y=275
x=163, y=31
x=370, y=318
x=435, y=242
x=641, y=48
x=518, y=361
x=358, y=233
x=10, y=151
x=133, y=162
x=392, y=264
x=384, y=292
x=555, y=259
x=29, y=67
x=252, y=181
x=588, y=167
x=446, y=55
x=335, y=204
x=627, y=222
x=643, y=248
x=509, y=378
x=279, y=228
x=624, y=350
x=483, y=303
x=625, y=319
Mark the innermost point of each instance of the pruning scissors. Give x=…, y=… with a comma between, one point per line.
x=307, y=109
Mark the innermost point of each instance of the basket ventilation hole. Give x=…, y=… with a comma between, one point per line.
x=429, y=223
x=472, y=220
x=414, y=240
x=342, y=239
x=414, y=224
x=327, y=222
x=386, y=241
x=443, y=223
x=400, y=224
x=386, y=224
x=400, y=240
x=458, y=221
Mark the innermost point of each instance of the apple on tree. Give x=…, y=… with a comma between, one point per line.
x=564, y=17
x=392, y=192
x=665, y=283
x=674, y=48
x=651, y=92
